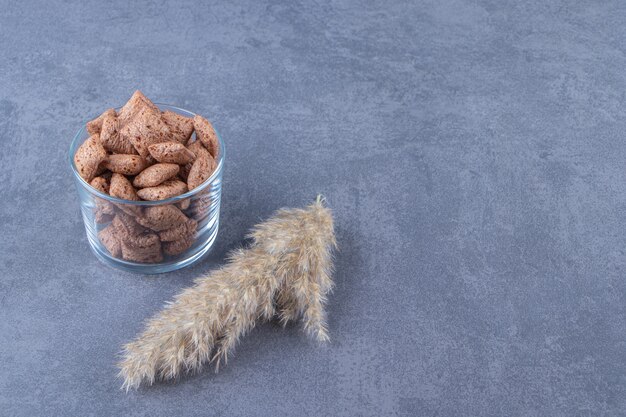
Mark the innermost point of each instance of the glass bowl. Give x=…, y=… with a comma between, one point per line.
x=102, y=213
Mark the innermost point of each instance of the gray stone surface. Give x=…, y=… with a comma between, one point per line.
x=473, y=153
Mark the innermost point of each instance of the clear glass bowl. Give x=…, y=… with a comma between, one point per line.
x=201, y=205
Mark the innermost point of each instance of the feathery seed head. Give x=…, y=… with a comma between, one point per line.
x=285, y=272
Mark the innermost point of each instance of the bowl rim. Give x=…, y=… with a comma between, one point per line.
x=75, y=144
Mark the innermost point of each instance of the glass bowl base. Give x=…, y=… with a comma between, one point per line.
x=141, y=268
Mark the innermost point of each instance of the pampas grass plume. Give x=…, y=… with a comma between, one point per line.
x=285, y=272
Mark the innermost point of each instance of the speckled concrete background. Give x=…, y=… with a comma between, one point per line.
x=473, y=153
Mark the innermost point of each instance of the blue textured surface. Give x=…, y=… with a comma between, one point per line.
x=473, y=153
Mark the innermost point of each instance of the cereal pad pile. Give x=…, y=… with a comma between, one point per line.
x=141, y=153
